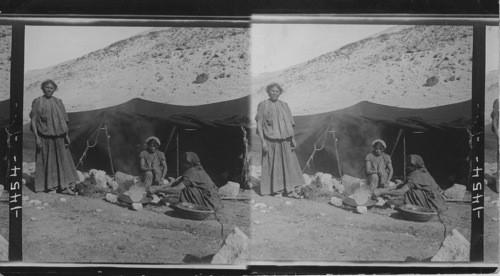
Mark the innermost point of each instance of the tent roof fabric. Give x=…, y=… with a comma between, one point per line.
x=128, y=124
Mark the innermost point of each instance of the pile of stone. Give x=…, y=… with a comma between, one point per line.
x=231, y=189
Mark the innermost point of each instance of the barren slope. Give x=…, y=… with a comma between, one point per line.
x=160, y=65
x=418, y=66
x=5, y=50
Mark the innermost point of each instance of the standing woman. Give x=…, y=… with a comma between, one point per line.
x=49, y=122
x=281, y=172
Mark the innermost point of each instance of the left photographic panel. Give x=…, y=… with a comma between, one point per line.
x=5, y=57
x=134, y=144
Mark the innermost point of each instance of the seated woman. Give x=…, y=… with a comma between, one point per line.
x=378, y=166
x=153, y=163
x=194, y=186
x=420, y=188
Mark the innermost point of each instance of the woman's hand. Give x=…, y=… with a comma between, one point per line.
x=265, y=147
x=67, y=141
x=293, y=144
x=39, y=143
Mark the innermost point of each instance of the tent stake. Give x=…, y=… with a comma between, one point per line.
x=109, y=149
x=404, y=156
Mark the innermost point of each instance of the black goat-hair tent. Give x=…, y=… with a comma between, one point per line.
x=439, y=134
x=215, y=132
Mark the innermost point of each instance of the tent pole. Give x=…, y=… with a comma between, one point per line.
x=170, y=139
x=336, y=151
x=404, y=156
x=177, y=152
x=397, y=140
x=109, y=150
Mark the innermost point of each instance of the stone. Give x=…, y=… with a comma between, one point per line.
x=487, y=198
x=455, y=248
x=307, y=179
x=257, y=222
x=35, y=202
x=62, y=199
x=98, y=177
x=235, y=249
x=33, y=218
x=113, y=185
x=29, y=168
x=136, y=206
x=351, y=183
x=288, y=203
x=98, y=210
x=111, y=198
x=81, y=178
x=255, y=173
x=335, y=201
x=108, y=179
x=156, y=199
x=23, y=181
x=4, y=249
x=26, y=198
x=39, y=208
x=125, y=181
x=229, y=190
x=361, y=209
x=324, y=181
x=339, y=187
x=260, y=205
x=457, y=191
x=45, y=204
x=380, y=201
x=252, y=201
x=86, y=175
x=322, y=214
x=271, y=207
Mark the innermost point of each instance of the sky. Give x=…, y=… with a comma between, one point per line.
x=278, y=46
x=49, y=45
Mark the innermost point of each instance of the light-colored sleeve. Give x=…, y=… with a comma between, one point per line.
x=290, y=116
x=387, y=159
x=63, y=109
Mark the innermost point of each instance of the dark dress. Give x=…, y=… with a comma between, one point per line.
x=199, y=189
x=424, y=191
x=54, y=164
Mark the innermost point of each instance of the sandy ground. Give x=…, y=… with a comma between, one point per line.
x=85, y=229
x=316, y=231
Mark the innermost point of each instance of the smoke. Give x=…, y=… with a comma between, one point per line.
x=354, y=138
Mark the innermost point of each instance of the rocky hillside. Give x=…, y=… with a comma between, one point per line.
x=415, y=66
x=492, y=91
x=5, y=51
x=184, y=66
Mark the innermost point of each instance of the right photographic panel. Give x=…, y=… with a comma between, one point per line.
x=361, y=143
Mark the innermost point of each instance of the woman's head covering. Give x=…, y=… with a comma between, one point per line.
x=417, y=161
x=47, y=82
x=154, y=139
x=379, y=141
x=269, y=87
x=191, y=160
